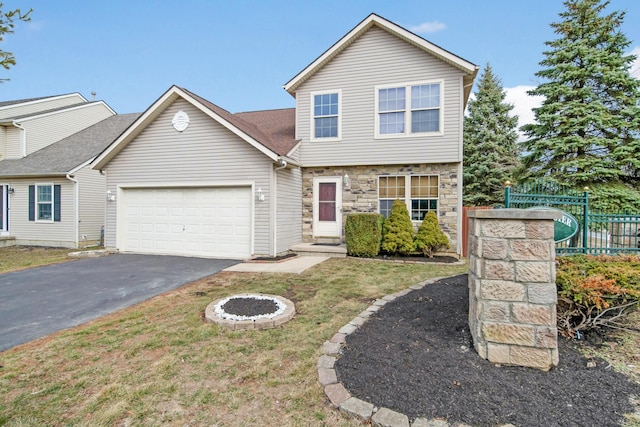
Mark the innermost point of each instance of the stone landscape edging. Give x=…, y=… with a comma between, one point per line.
x=245, y=325
x=340, y=397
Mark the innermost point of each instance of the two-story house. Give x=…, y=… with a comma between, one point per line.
x=378, y=117
x=48, y=193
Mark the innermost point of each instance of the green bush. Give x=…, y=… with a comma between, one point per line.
x=363, y=234
x=596, y=291
x=430, y=237
x=397, y=231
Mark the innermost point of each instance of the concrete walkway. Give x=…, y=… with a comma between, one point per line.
x=295, y=265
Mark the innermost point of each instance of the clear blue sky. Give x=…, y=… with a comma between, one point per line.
x=239, y=53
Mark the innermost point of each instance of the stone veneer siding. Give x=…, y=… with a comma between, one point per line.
x=512, y=290
x=363, y=194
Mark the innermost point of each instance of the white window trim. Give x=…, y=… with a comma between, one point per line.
x=312, y=124
x=407, y=192
x=36, y=204
x=407, y=110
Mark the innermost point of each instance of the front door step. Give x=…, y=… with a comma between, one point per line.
x=320, y=249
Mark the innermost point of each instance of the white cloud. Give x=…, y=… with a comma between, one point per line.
x=522, y=104
x=35, y=26
x=428, y=27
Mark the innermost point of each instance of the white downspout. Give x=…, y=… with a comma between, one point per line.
x=23, y=139
x=77, y=208
x=283, y=164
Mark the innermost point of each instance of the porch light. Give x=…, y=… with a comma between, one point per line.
x=11, y=190
x=110, y=196
x=260, y=195
x=346, y=181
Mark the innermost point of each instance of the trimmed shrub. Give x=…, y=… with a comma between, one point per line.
x=397, y=231
x=363, y=234
x=596, y=291
x=430, y=237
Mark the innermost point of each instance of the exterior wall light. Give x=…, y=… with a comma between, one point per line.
x=346, y=181
x=260, y=195
x=11, y=190
x=110, y=196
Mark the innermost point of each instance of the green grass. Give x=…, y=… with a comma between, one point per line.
x=158, y=363
x=14, y=258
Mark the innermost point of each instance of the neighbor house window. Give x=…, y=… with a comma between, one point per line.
x=408, y=109
x=44, y=202
x=326, y=115
x=418, y=192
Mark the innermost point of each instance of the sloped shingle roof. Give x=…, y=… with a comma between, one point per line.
x=275, y=129
x=22, y=101
x=65, y=155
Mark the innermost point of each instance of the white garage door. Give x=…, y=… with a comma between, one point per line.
x=212, y=222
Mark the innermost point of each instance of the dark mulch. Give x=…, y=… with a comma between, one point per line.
x=241, y=306
x=416, y=356
x=274, y=258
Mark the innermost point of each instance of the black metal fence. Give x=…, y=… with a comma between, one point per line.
x=599, y=233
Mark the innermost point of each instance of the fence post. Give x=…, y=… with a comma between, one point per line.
x=585, y=227
x=507, y=194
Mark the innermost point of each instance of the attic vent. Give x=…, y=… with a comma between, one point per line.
x=180, y=121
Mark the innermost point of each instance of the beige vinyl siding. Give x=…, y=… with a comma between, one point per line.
x=40, y=105
x=379, y=58
x=91, y=192
x=47, y=129
x=14, y=143
x=205, y=153
x=42, y=233
x=3, y=142
x=288, y=209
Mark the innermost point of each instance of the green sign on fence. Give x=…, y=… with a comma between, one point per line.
x=565, y=227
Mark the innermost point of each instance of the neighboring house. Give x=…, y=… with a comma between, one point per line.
x=48, y=193
x=378, y=117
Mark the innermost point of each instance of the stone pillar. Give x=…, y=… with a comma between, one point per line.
x=512, y=290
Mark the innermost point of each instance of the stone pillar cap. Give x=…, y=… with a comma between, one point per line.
x=515, y=214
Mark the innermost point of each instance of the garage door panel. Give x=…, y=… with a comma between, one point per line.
x=212, y=222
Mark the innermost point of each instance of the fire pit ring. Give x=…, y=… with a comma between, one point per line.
x=250, y=311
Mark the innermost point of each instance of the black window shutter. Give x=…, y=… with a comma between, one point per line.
x=56, y=203
x=32, y=203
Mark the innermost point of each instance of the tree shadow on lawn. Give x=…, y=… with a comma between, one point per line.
x=416, y=356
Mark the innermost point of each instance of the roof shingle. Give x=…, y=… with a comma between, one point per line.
x=67, y=154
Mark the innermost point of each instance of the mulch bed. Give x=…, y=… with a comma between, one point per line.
x=415, y=258
x=416, y=356
x=273, y=258
x=240, y=306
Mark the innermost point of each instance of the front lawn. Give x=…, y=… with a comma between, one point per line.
x=158, y=363
x=14, y=258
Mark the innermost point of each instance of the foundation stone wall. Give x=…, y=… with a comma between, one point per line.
x=362, y=193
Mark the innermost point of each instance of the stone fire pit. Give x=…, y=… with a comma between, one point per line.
x=250, y=311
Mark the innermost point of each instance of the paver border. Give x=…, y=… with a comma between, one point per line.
x=245, y=325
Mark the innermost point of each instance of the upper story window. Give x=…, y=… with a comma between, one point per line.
x=326, y=115
x=408, y=109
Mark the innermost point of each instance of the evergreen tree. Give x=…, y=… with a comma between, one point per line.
x=490, y=149
x=397, y=231
x=430, y=237
x=585, y=131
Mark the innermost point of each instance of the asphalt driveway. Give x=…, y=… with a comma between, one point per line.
x=42, y=300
